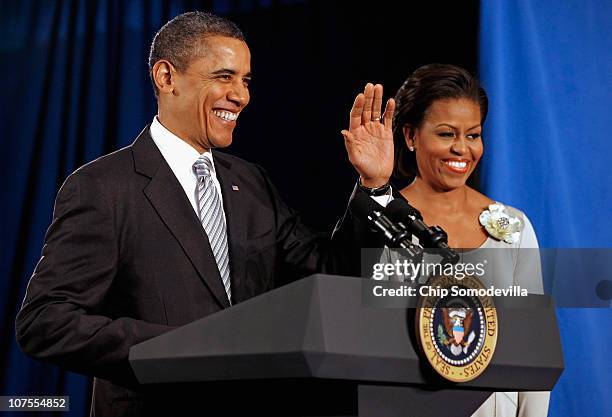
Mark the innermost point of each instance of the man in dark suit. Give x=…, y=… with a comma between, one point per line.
x=165, y=232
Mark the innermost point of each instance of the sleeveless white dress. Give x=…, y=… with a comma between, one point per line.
x=515, y=263
x=526, y=272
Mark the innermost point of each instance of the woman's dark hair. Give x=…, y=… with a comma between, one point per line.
x=427, y=84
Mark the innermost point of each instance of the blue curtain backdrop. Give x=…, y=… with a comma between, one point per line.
x=546, y=66
x=76, y=87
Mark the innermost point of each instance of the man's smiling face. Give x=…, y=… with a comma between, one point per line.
x=207, y=98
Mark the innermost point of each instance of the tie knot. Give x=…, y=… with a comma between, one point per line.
x=202, y=167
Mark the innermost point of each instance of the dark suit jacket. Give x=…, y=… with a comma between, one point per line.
x=126, y=259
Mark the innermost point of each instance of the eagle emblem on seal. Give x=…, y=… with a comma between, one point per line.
x=457, y=335
x=457, y=324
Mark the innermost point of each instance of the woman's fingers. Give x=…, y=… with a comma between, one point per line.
x=356, y=112
x=349, y=143
x=368, y=105
x=388, y=116
x=348, y=136
x=377, y=102
x=368, y=92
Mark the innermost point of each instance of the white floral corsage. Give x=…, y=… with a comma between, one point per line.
x=500, y=224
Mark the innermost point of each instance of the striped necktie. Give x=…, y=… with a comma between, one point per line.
x=211, y=216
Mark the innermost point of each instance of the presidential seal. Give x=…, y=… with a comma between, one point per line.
x=456, y=333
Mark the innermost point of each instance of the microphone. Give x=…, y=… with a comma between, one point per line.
x=411, y=220
x=363, y=206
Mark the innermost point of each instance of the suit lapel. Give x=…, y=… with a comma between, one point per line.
x=166, y=195
x=233, y=203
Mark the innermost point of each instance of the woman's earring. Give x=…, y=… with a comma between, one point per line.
x=411, y=148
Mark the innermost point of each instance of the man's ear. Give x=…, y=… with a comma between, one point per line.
x=409, y=136
x=163, y=76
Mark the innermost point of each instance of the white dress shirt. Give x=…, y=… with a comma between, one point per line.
x=181, y=156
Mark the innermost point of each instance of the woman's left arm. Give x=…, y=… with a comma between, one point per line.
x=528, y=274
x=528, y=269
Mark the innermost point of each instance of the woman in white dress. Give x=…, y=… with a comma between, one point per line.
x=434, y=145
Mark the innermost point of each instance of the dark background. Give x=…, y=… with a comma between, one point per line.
x=310, y=61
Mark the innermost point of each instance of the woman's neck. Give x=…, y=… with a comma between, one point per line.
x=435, y=200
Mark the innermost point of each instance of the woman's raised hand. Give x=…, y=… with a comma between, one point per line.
x=369, y=139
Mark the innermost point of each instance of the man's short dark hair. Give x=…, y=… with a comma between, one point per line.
x=178, y=41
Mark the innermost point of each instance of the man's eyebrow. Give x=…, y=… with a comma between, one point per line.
x=229, y=71
x=224, y=71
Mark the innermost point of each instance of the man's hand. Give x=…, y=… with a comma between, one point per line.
x=369, y=140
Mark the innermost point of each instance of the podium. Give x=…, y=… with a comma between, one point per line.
x=312, y=348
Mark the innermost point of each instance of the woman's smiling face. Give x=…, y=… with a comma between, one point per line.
x=448, y=143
